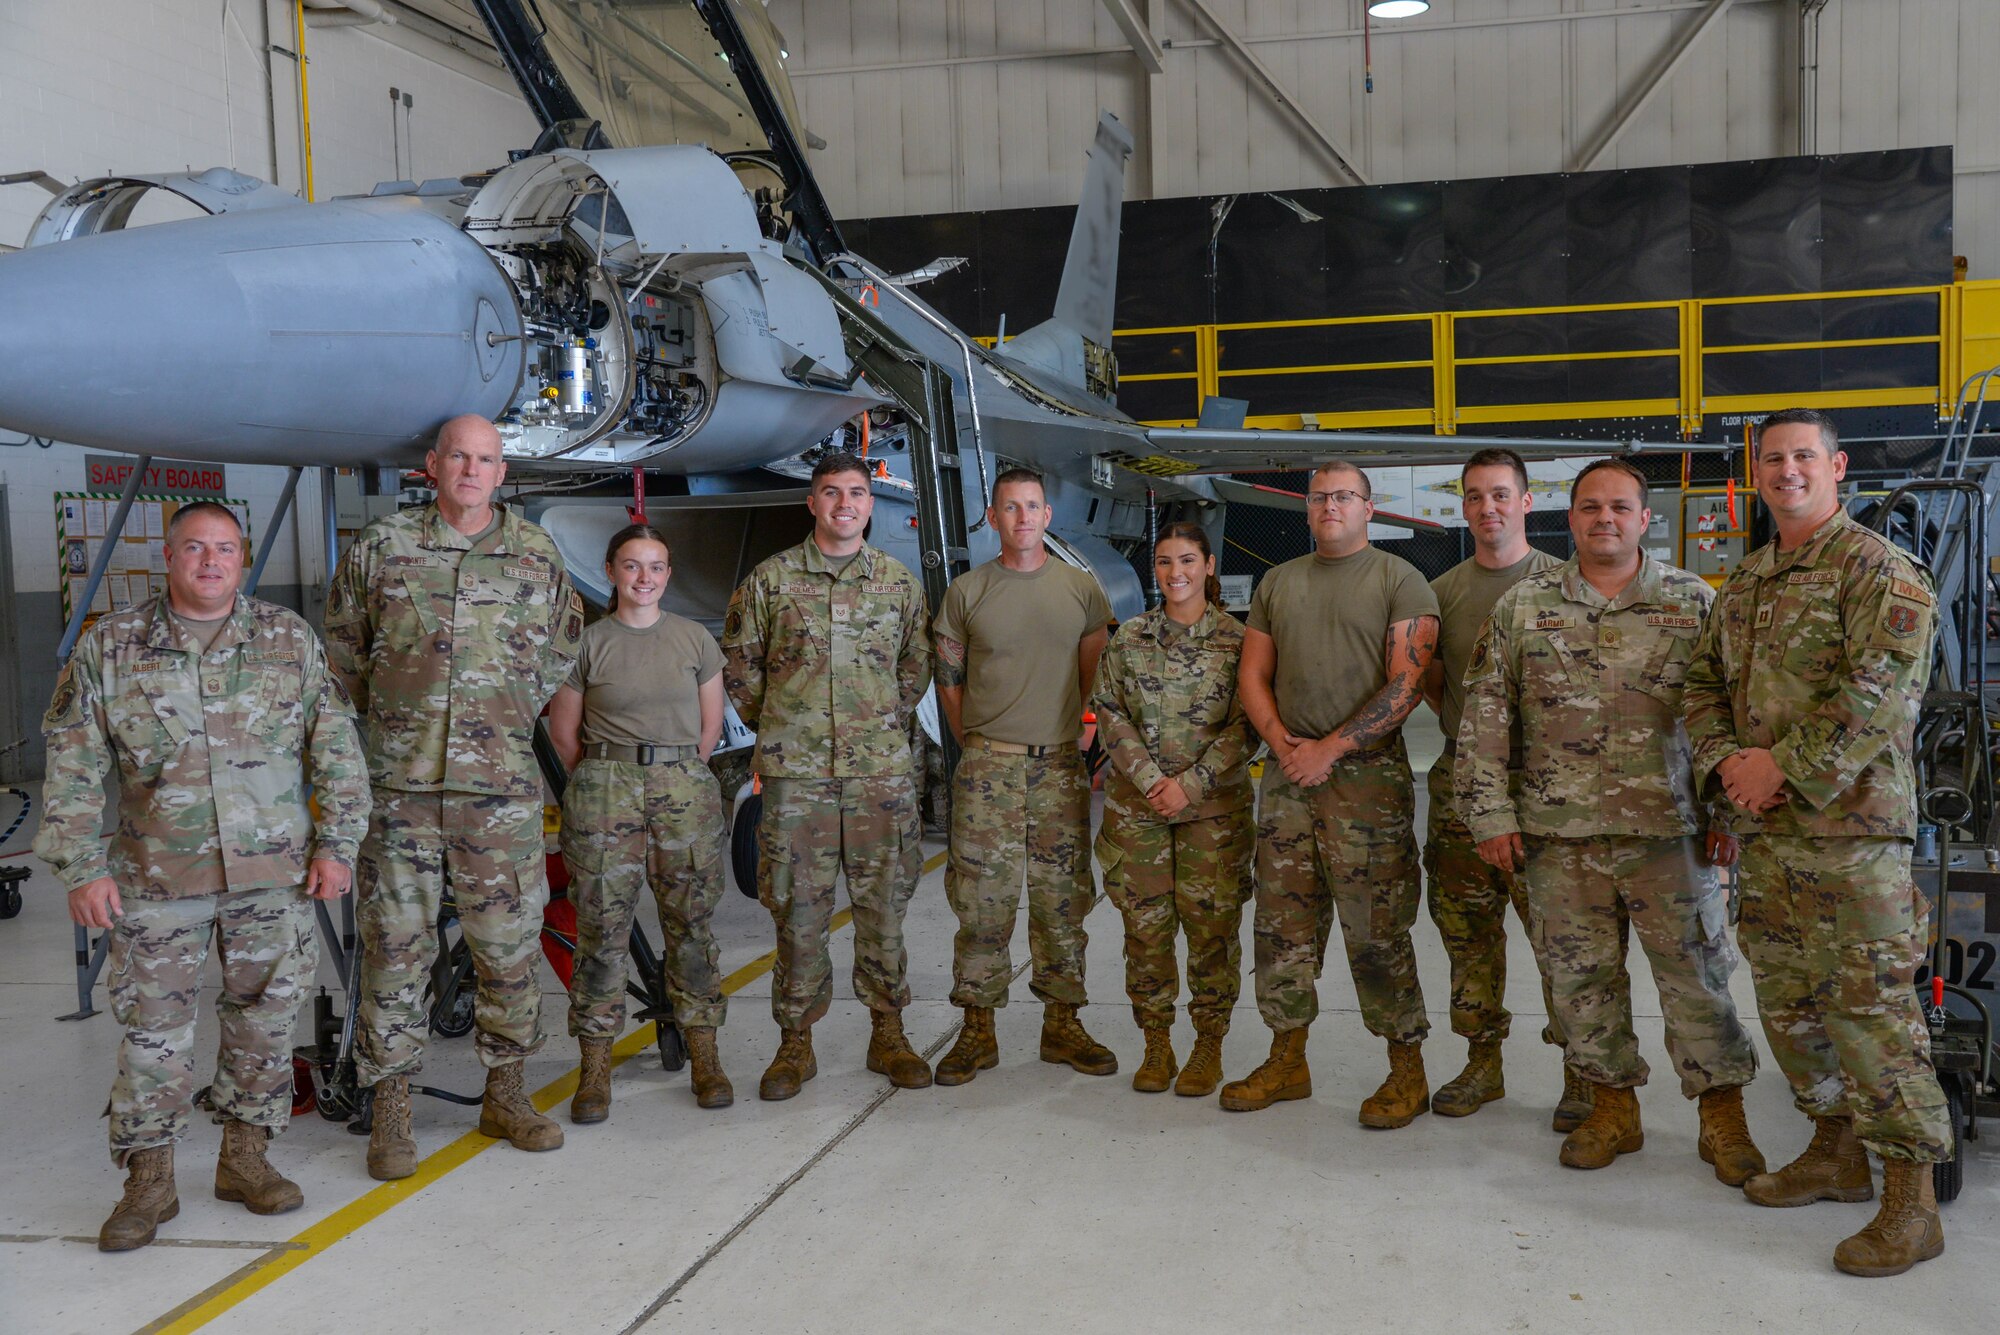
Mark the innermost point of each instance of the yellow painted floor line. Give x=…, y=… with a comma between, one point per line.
x=288, y=1256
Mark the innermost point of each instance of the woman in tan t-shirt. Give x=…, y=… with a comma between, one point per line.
x=635, y=724
x=1177, y=838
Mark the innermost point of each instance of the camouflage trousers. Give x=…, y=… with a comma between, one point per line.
x=1834, y=931
x=626, y=827
x=158, y=950
x=1015, y=816
x=1192, y=875
x=489, y=850
x=1583, y=897
x=1468, y=901
x=1346, y=849
x=812, y=831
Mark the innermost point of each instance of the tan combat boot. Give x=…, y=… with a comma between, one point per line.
x=1611, y=1129
x=1156, y=1073
x=1725, y=1138
x=1904, y=1231
x=1284, y=1075
x=1203, y=1071
x=976, y=1049
x=1066, y=1043
x=392, y=1151
x=711, y=1087
x=1578, y=1097
x=242, y=1173
x=1834, y=1167
x=1404, y=1095
x=508, y=1115
x=792, y=1067
x=148, y=1202
x=890, y=1053
x=593, y=1083
x=1473, y=1088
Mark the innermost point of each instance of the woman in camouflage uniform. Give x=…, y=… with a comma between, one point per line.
x=635, y=724
x=1178, y=836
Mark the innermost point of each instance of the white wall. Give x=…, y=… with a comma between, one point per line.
x=929, y=105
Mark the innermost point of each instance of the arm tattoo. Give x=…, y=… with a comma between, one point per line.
x=950, y=662
x=1407, y=651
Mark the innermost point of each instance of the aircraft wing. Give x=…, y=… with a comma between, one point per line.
x=1278, y=498
x=1197, y=449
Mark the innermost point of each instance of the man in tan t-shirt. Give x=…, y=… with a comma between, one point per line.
x=1014, y=695
x=1333, y=661
x=1468, y=898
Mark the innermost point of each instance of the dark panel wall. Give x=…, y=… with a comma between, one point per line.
x=1782, y=225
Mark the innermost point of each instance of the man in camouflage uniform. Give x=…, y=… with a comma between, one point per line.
x=218, y=712
x=1802, y=703
x=1468, y=899
x=1584, y=664
x=1334, y=657
x=451, y=626
x=825, y=656
x=1012, y=688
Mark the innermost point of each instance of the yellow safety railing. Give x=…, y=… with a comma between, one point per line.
x=1202, y=356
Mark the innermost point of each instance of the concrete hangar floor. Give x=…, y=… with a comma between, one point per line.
x=1031, y=1199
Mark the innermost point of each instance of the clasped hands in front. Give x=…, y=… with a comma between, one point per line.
x=1306, y=761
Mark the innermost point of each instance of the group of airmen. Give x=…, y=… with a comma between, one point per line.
x=1616, y=732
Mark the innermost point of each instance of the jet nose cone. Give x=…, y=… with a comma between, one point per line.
x=329, y=334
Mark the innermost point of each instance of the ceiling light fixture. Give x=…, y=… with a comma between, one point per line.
x=1398, y=9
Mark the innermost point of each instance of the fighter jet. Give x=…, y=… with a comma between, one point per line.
x=656, y=284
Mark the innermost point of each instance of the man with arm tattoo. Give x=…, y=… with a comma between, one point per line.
x=1585, y=663
x=1333, y=662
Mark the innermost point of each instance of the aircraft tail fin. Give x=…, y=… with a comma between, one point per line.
x=1087, y=299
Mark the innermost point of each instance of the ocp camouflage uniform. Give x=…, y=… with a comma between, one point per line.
x=625, y=826
x=827, y=665
x=1467, y=896
x=1468, y=901
x=1344, y=849
x=215, y=753
x=1167, y=708
x=450, y=648
x=1605, y=806
x=1820, y=654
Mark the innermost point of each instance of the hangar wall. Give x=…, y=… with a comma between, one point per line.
x=930, y=106
x=164, y=85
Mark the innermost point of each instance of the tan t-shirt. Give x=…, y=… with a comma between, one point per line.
x=203, y=633
x=1466, y=594
x=1329, y=618
x=640, y=686
x=1020, y=633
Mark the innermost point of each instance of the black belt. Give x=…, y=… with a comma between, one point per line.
x=639, y=755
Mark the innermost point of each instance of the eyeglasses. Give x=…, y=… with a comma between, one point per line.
x=1319, y=500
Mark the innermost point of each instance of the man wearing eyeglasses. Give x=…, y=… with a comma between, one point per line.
x=1333, y=661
